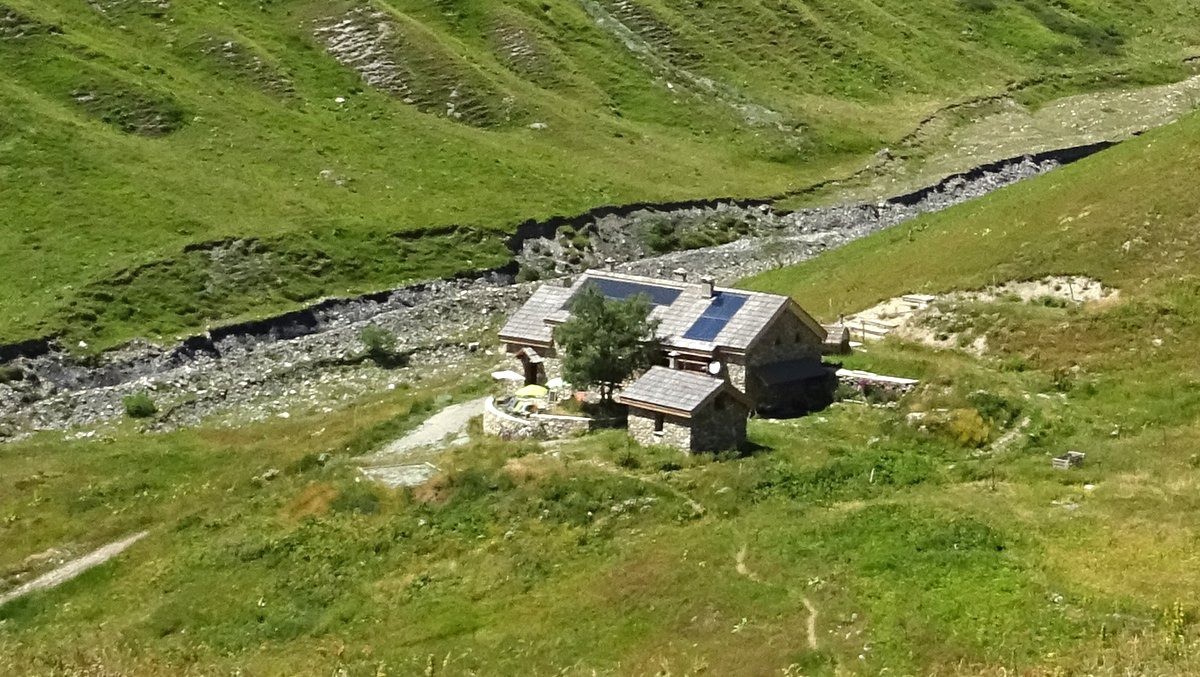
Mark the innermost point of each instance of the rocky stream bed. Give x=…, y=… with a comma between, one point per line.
x=311, y=360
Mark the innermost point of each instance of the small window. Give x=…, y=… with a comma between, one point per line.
x=660, y=422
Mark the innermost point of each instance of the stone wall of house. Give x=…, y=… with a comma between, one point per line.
x=534, y=427
x=736, y=373
x=790, y=339
x=710, y=429
x=551, y=366
x=716, y=429
x=676, y=430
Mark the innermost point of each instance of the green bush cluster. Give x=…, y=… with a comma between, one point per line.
x=139, y=405
x=665, y=235
x=379, y=345
x=11, y=373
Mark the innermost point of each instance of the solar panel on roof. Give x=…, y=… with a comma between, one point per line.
x=705, y=329
x=620, y=290
x=714, y=318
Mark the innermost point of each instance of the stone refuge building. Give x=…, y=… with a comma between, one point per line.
x=764, y=346
x=687, y=410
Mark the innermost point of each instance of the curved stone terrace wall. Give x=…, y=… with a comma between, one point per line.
x=507, y=426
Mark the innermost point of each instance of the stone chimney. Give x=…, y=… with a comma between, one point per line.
x=673, y=359
x=708, y=287
x=610, y=264
x=679, y=274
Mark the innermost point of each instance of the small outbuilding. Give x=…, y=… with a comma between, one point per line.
x=687, y=410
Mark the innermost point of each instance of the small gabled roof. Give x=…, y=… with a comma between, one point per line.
x=683, y=392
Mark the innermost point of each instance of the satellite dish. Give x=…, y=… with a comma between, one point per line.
x=714, y=368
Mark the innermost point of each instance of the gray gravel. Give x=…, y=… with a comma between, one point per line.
x=254, y=376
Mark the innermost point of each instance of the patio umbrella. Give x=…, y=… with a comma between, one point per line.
x=533, y=392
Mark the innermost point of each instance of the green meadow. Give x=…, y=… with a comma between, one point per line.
x=950, y=548
x=169, y=166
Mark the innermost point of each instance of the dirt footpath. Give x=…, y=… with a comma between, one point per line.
x=72, y=569
x=397, y=465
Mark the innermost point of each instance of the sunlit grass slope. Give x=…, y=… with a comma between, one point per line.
x=913, y=548
x=131, y=131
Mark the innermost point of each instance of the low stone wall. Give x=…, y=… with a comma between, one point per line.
x=675, y=433
x=533, y=427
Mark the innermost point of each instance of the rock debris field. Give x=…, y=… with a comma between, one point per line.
x=439, y=325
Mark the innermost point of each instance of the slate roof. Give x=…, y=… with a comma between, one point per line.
x=745, y=316
x=529, y=322
x=684, y=391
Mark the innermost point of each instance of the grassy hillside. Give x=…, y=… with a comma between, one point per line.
x=344, y=139
x=949, y=548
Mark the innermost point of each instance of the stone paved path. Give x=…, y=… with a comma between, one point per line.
x=72, y=569
x=394, y=466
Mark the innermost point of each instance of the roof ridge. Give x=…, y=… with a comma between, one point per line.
x=674, y=284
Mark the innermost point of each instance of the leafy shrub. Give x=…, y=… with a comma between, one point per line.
x=306, y=463
x=357, y=498
x=11, y=374
x=139, y=405
x=528, y=274
x=380, y=345
x=578, y=500
x=1051, y=302
x=629, y=460
x=877, y=393
x=967, y=428
x=661, y=236
x=845, y=391
x=995, y=409
x=472, y=483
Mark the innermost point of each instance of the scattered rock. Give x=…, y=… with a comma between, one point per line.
x=248, y=64
x=412, y=68
x=307, y=362
x=762, y=238
x=15, y=25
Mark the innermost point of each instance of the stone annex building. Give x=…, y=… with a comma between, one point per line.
x=725, y=353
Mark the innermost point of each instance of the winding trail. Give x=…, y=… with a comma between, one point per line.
x=744, y=569
x=72, y=569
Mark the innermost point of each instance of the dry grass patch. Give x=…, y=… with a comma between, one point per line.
x=313, y=501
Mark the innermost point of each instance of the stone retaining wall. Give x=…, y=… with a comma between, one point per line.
x=533, y=427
